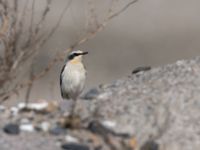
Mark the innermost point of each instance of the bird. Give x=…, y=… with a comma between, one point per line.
x=72, y=77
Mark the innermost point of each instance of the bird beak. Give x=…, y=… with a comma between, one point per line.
x=84, y=53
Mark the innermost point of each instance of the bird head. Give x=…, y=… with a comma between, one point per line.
x=76, y=56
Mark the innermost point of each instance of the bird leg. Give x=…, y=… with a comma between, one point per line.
x=73, y=109
x=73, y=120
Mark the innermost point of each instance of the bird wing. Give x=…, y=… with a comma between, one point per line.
x=64, y=95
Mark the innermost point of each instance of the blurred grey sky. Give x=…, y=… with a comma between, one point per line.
x=150, y=32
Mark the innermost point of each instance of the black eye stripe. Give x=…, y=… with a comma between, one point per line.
x=73, y=55
x=77, y=54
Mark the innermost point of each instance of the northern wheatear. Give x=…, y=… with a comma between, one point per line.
x=72, y=77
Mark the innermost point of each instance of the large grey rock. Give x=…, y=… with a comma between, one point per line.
x=162, y=104
x=159, y=107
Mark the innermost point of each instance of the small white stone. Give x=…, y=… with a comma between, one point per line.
x=33, y=106
x=45, y=126
x=14, y=111
x=27, y=127
x=21, y=105
x=37, y=106
x=109, y=124
x=71, y=139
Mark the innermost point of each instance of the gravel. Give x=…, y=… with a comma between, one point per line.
x=162, y=104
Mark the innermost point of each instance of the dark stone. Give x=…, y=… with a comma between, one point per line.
x=98, y=128
x=91, y=94
x=150, y=145
x=57, y=130
x=74, y=146
x=98, y=148
x=139, y=69
x=11, y=129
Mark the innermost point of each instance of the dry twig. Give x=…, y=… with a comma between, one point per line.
x=36, y=41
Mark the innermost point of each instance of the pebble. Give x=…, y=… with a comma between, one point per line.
x=11, y=128
x=27, y=127
x=74, y=146
x=71, y=139
x=57, y=131
x=109, y=124
x=14, y=111
x=98, y=128
x=33, y=106
x=150, y=145
x=38, y=106
x=45, y=126
x=91, y=94
x=21, y=106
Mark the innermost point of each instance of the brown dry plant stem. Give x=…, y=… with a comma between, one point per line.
x=27, y=96
x=21, y=38
x=36, y=40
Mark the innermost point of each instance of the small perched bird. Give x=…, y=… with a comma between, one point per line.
x=72, y=77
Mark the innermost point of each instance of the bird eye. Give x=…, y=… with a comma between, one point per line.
x=70, y=57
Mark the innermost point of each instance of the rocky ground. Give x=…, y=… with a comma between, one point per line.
x=157, y=109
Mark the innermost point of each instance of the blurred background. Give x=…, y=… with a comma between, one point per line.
x=147, y=33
